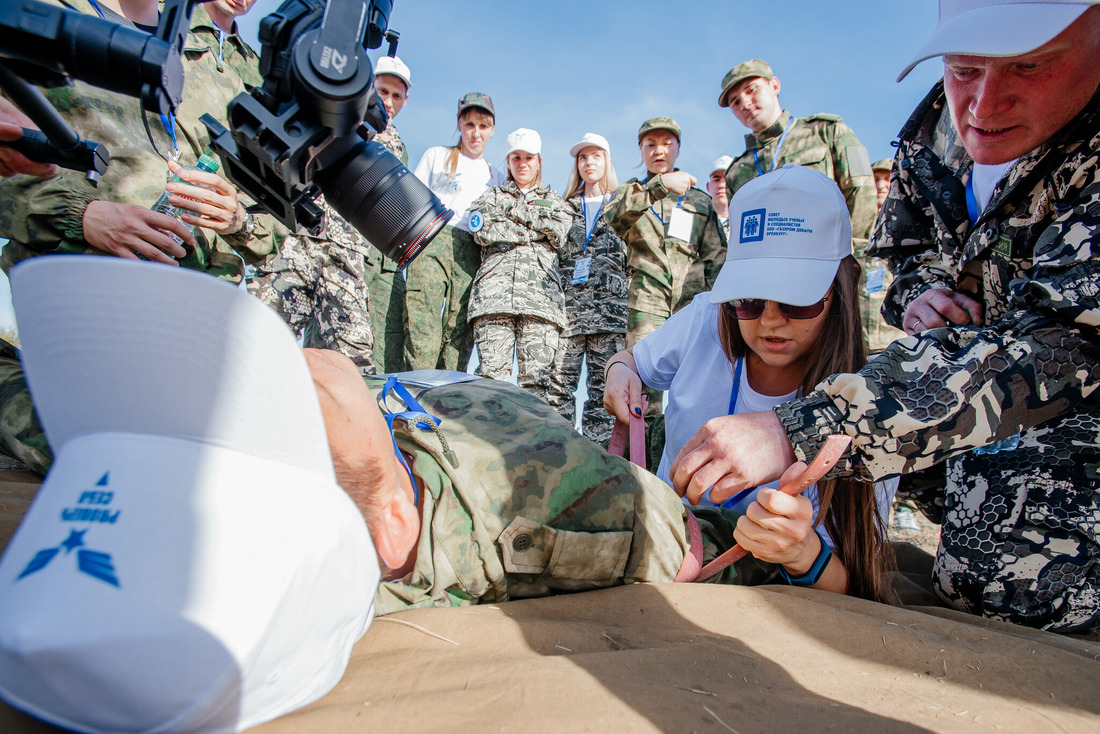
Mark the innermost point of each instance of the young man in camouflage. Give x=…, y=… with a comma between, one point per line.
x=719, y=195
x=674, y=248
x=821, y=142
x=65, y=214
x=392, y=81
x=876, y=277
x=996, y=387
x=321, y=284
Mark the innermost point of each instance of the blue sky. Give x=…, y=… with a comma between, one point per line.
x=565, y=68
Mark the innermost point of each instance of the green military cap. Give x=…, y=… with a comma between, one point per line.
x=659, y=123
x=476, y=99
x=746, y=70
x=884, y=165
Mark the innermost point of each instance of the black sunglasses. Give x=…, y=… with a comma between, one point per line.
x=747, y=309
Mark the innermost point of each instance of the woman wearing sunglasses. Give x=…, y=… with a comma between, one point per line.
x=783, y=315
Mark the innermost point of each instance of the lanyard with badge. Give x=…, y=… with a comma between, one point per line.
x=583, y=266
x=679, y=223
x=775, y=160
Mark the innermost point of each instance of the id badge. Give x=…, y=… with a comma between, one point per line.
x=581, y=269
x=876, y=280
x=679, y=224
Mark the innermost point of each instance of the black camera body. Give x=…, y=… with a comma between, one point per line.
x=309, y=129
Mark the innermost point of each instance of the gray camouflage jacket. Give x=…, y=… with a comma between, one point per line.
x=598, y=305
x=1032, y=259
x=519, y=236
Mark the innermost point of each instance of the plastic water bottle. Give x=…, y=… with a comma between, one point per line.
x=163, y=206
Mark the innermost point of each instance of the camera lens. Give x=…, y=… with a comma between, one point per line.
x=382, y=199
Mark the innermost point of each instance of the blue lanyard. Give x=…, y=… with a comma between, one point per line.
x=415, y=415
x=169, y=122
x=95, y=6
x=972, y=209
x=584, y=209
x=678, y=206
x=777, y=148
x=731, y=502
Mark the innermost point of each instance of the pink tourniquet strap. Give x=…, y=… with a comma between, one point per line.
x=826, y=459
x=693, y=559
x=617, y=445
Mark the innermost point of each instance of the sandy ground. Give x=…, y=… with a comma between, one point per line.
x=928, y=539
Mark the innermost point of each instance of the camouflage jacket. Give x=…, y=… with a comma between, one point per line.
x=46, y=216
x=519, y=236
x=823, y=143
x=1032, y=260
x=515, y=503
x=597, y=305
x=665, y=272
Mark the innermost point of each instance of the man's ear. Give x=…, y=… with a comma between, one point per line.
x=395, y=528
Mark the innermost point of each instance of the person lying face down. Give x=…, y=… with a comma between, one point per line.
x=508, y=501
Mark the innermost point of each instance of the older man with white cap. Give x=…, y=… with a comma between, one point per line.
x=993, y=231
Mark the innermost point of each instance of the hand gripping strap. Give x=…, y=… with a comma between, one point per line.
x=826, y=459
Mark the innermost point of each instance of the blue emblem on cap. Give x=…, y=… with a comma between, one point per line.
x=93, y=563
x=476, y=221
x=752, y=225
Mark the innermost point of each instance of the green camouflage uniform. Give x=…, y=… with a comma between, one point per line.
x=516, y=301
x=516, y=504
x=1020, y=517
x=665, y=272
x=43, y=216
x=823, y=143
x=874, y=283
x=595, y=312
x=387, y=288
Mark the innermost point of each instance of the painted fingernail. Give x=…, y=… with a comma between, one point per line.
x=637, y=411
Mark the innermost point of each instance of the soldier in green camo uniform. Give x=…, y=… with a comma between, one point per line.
x=673, y=241
x=516, y=301
x=876, y=278
x=821, y=142
x=392, y=80
x=65, y=214
x=592, y=267
x=995, y=389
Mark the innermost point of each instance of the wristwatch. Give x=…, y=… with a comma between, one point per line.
x=813, y=575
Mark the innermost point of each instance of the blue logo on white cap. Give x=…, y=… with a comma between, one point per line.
x=752, y=225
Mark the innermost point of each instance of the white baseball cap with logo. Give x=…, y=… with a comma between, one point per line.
x=789, y=230
x=395, y=67
x=524, y=139
x=590, y=140
x=997, y=27
x=189, y=563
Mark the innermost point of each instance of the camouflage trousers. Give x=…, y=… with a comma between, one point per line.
x=21, y=435
x=534, y=341
x=640, y=324
x=437, y=299
x=320, y=283
x=1018, y=538
x=596, y=423
x=387, y=312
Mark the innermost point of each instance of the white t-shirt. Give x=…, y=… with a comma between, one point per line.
x=685, y=357
x=592, y=207
x=984, y=178
x=472, y=177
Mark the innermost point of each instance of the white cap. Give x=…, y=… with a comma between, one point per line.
x=590, y=140
x=189, y=562
x=997, y=27
x=396, y=67
x=789, y=230
x=721, y=164
x=526, y=140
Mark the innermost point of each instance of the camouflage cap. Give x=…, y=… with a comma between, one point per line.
x=476, y=99
x=659, y=123
x=745, y=70
x=884, y=165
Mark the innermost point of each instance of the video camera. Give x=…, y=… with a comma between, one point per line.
x=311, y=126
x=308, y=130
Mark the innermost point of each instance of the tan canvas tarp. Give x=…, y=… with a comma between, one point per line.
x=690, y=658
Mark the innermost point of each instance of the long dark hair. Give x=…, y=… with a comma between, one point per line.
x=848, y=507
